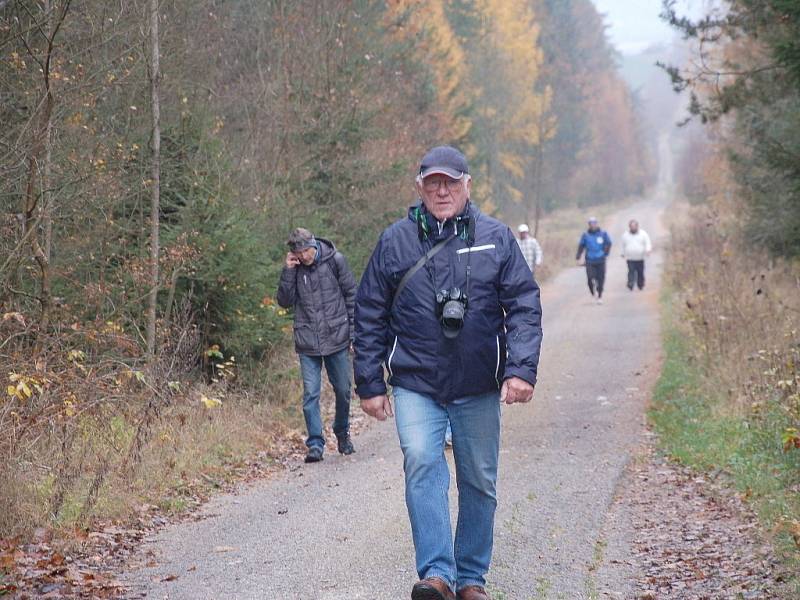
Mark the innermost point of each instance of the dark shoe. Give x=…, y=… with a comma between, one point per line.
x=314, y=454
x=344, y=443
x=432, y=588
x=473, y=592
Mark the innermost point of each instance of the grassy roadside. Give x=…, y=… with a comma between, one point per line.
x=700, y=428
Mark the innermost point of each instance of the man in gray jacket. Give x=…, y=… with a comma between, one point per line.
x=317, y=283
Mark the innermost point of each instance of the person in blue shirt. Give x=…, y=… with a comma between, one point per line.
x=597, y=244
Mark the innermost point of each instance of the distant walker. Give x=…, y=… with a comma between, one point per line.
x=531, y=249
x=596, y=243
x=635, y=247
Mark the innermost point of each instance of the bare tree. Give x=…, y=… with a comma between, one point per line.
x=155, y=176
x=35, y=198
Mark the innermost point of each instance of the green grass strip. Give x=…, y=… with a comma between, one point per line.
x=699, y=430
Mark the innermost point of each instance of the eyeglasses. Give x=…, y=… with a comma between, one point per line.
x=432, y=184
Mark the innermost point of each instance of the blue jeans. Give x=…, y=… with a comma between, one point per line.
x=421, y=424
x=338, y=367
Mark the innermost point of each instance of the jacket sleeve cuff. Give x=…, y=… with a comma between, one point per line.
x=525, y=374
x=370, y=390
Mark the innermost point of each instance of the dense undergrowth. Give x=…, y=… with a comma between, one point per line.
x=728, y=400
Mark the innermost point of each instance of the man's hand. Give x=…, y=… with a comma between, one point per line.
x=379, y=407
x=578, y=262
x=291, y=260
x=515, y=390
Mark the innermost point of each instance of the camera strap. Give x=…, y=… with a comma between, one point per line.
x=419, y=264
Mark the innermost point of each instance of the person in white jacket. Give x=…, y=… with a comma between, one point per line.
x=635, y=247
x=531, y=249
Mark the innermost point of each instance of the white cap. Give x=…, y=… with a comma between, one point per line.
x=523, y=228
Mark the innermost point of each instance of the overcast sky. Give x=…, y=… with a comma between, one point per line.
x=634, y=24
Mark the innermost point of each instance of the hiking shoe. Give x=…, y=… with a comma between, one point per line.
x=345, y=445
x=432, y=588
x=472, y=592
x=314, y=454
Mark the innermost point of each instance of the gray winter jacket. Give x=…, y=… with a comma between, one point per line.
x=323, y=297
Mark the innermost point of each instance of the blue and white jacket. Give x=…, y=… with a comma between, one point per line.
x=502, y=332
x=597, y=245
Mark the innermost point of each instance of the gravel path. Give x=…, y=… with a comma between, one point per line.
x=339, y=530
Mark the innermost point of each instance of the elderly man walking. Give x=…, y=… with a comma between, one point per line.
x=636, y=246
x=448, y=305
x=531, y=249
x=317, y=283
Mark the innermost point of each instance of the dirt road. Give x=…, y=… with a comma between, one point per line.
x=338, y=530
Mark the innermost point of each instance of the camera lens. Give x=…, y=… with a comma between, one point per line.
x=453, y=315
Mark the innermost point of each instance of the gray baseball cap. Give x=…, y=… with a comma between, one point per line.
x=445, y=160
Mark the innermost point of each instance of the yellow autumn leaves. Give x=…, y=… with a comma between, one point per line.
x=23, y=387
x=488, y=89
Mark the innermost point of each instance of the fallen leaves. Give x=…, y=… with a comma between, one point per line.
x=76, y=566
x=694, y=540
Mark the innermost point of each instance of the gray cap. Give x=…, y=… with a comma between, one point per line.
x=445, y=160
x=592, y=220
x=300, y=239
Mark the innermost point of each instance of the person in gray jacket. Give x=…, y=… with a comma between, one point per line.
x=317, y=283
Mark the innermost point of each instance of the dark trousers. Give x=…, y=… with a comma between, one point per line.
x=596, y=276
x=635, y=274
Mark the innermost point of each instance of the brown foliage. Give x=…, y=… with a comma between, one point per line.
x=744, y=311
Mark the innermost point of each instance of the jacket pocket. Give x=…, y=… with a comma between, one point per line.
x=340, y=331
x=305, y=338
x=400, y=359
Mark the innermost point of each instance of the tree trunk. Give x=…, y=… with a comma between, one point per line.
x=537, y=188
x=35, y=211
x=47, y=197
x=155, y=176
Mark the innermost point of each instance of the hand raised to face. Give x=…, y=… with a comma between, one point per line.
x=291, y=260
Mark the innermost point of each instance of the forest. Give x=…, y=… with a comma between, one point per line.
x=155, y=155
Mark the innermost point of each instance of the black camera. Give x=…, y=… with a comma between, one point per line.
x=451, y=306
